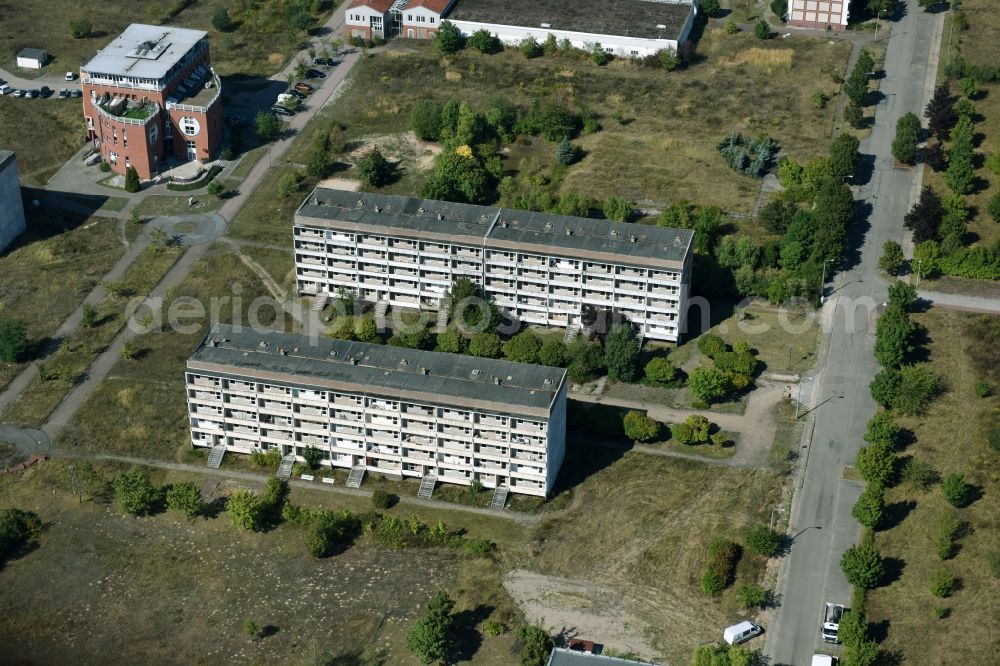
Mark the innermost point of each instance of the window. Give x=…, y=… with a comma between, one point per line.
x=190, y=126
x=127, y=162
x=432, y=19
x=124, y=139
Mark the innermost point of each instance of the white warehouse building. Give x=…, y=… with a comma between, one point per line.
x=540, y=268
x=396, y=411
x=627, y=28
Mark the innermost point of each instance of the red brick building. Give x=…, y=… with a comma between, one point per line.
x=151, y=94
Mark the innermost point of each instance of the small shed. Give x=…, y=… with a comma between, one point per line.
x=32, y=58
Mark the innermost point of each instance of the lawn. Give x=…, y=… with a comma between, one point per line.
x=140, y=408
x=669, y=122
x=75, y=354
x=43, y=132
x=179, y=591
x=951, y=437
x=161, y=205
x=266, y=217
x=46, y=25
x=45, y=275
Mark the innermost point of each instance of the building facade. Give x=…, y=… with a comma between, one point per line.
x=396, y=411
x=821, y=14
x=151, y=94
x=542, y=269
x=11, y=208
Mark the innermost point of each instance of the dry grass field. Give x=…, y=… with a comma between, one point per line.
x=44, y=133
x=670, y=121
x=951, y=437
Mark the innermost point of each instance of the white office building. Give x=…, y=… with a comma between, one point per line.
x=543, y=269
x=391, y=410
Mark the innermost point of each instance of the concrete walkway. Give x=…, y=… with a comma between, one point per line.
x=962, y=302
x=53, y=81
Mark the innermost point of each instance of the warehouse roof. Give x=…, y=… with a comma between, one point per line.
x=632, y=18
x=497, y=226
x=381, y=369
x=144, y=51
x=564, y=657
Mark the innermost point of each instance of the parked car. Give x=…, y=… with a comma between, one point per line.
x=31, y=94
x=75, y=92
x=282, y=111
x=3, y=81
x=70, y=76
x=328, y=62
x=295, y=93
x=744, y=631
x=63, y=93
x=315, y=74
x=303, y=87
x=18, y=92
x=44, y=92
x=5, y=89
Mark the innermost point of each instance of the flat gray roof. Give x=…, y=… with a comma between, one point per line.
x=37, y=54
x=498, y=227
x=632, y=18
x=380, y=370
x=5, y=156
x=564, y=657
x=144, y=51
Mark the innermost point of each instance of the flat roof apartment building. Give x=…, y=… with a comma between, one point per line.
x=542, y=269
x=152, y=93
x=388, y=409
x=11, y=208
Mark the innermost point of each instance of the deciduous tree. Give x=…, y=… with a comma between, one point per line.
x=432, y=637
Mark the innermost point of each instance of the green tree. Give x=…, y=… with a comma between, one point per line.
x=451, y=341
x=425, y=119
x=893, y=331
x=186, y=498
x=708, y=385
x=586, y=361
x=918, y=386
x=373, y=169
x=956, y=489
x=892, y=258
x=722, y=655
x=221, y=20
x=621, y=352
x=942, y=583
x=565, y=152
x=863, y=566
x=132, y=183
x=599, y=56
x=81, y=28
x=862, y=653
x=668, y=58
x=367, y=329
x=267, y=126
x=486, y=345
x=876, y=463
x=448, y=38
x=638, y=427
x=660, y=372
x=530, y=48
x=215, y=188
x=14, y=343
x=432, y=638
x=288, y=184
x=710, y=7
x=869, y=510
x=617, y=208
x=762, y=539
x=993, y=207
x=883, y=429
x=751, y=596
x=536, y=645
x=484, y=41
x=552, y=353
x=940, y=112
x=135, y=493
x=762, y=29
x=246, y=510
x=523, y=348
x=318, y=158
x=904, y=145
x=854, y=115
x=17, y=529
x=844, y=155
x=960, y=175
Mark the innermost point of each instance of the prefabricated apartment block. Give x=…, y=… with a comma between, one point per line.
x=392, y=410
x=540, y=268
x=11, y=208
x=628, y=28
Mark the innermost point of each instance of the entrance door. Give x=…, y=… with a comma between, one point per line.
x=192, y=150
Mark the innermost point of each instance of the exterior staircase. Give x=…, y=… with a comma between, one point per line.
x=571, y=332
x=356, y=476
x=427, y=486
x=499, y=500
x=381, y=307
x=215, y=456
x=285, y=468
x=319, y=301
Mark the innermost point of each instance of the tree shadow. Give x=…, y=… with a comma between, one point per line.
x=864, y=170
x=879, y=631
x=893, y=571
x=469, y=640
x=268, y=630
x=895, y=513
x=855, y=237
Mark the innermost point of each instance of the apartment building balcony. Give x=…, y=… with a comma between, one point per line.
x=307, y=273
x=419, y=440
x=210, y=382
x=491, y=435
x=308, y=246
x=340, y=240
x=312, y=426
x=527, y=471
x=563, y=266
x=346, y=443
x=238, y=417
x=495, y=451
x=663, y=305
x=403, y=245
x=402, y=271
x=197, y=96
x=597, y=269
x=658, y=277
x=384, y=450
x=372, y=242
x=241, y=400
x=528, y=427
x=310, y=260
x=529, y=287
x=127, y=112
x=307, y=410
x=391, y=466
x=420, y=427
x=464, y=461
x=454, y=444
x=242, y=430
x=489, y=464
x=465, y=269
x=404, y=288
x=373, y=255
x=466, y=253
x=402, y=260
x=416, y=410
x=206, y=424
x=663, y=291
x=277, y=434
x=534, y=276
x=418, y=455
x=307, y=232
x=505, y=287
x=630, y=272
x=274, y=408
x=562, y=291
x=435, y=251
x=377, y=270
x=500, y=262
x=632, y=301
x=313, y=441
x=538, y=262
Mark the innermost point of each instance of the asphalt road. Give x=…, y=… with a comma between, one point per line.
x=821, y=521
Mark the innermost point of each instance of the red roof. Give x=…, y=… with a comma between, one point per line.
x=436, y=6
x=378, y=5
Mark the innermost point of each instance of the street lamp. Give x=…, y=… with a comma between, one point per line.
x=877, y=15
x=822, y=282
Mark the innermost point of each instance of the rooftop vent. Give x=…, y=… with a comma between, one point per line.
x=423, y=370
x=282, y=352
x=546, y=25
x=403, y=361
x=353, y=361
x=386, y=373
x=631, y=238
x=503, y=223
x=496, y=380
x=361, y=203
x=548, y=225
x=661, y=26
x=420, y=210
x=377, y=209
x=246, y=353
x=262, y=344
x=614, y=233
x=547, y=381
x=475, y=372
x=569, y=232
x=295, y=350
x=678, y=241
x=440, y=216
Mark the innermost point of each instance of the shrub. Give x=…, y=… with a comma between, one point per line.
x=869, y=510
x=731, y=27
x=660, y=372
x=882, y=429
x=245, y=510
x=530, y=48
x=565, y=153
x=993, y=207
x=761, y=29
x=723, y=556
x=708, y=385
x=484, y=41
x=14, y=343
x=941, y=612
x=711, y=584
x=451, y=341
x=536, y=645
x=668, y=59
x=617, y=208
x=621, y=351
x=854, y=115
x=918, y=475
x=892, y=258
x=288, y=184
x=587, y=360
x=425, y=119
x=863, y=566
x=186, y=498
x=486, y=345
x=383, y=500
x=132, y=183
x=710, y=7
x=523, y=347
x=448, y=38
x=947, y=533
x=80, y=29
x=552, y=353
x=373, y=169
x=904, y=145
x=942, y=583
x=493, y=627
x=876, y=463
x=135, y=493
x=762, y=539
x=639, y=427
x=17, y=529
x=956, y=490
x=711, y=345
x=328, y=532
x=681, y=433
x=751, y=596
x=983, y=390
x=221, y=20
x=268, y=459
x=267, y=126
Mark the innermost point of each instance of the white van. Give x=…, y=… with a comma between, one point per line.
x=744, y=631
x=285, y=98
x=4, y=89
x=823, y=660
